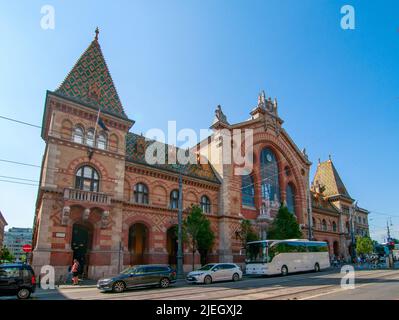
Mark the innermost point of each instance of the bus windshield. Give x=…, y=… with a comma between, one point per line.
x=256, y=252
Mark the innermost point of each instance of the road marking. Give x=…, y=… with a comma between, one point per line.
x=340, y=289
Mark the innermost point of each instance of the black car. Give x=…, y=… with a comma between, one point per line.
x=17, y=279
x=139, y=276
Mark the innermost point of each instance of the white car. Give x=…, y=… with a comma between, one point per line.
x=213, y=272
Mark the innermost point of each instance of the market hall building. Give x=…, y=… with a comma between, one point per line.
x=101, y=202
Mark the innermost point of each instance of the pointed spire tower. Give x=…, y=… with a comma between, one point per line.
x=90, y=82
x=328, y=177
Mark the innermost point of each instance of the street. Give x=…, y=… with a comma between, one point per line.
x=369, y=285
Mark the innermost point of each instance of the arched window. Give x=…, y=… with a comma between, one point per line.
x=290, y=198
x=248, y=190
x=87, y=179
x=90, y=138
x=78, y=135
x=102, y=141
x=347, y=227
x=174, y=199
x=205, y=204
x=313, y=223
x=334, y=226
x=269, y=174
x=324, y=225
x=141, y=193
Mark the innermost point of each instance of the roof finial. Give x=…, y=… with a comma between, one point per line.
x=97, y=32
x=329, y=157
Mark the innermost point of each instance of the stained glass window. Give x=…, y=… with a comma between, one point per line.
x=290, y=198
x=248, y=190
x=269, y=173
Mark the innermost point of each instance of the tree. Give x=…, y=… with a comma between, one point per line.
x=247, y=233
x=198, y=233
x=6, y=255
x=364, y=245
x=284, y=226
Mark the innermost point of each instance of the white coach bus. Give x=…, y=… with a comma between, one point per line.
x=268, y=257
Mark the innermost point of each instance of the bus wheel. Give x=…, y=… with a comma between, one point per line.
x=284, y=270
x=316, y=267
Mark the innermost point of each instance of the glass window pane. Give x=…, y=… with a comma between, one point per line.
x=290, y=199
x=270, y=187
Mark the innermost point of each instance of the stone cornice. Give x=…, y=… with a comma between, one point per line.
x=169, y=175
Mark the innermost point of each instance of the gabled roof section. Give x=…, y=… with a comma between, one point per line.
x=328, y=178
x=3, y=220
x=136, y=146
x=90, y=82
x=322, y=204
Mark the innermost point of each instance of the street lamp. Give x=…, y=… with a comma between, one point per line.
x=180, y=272
x=353, y=240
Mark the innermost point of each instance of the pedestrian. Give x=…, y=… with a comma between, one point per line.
x=75, y=272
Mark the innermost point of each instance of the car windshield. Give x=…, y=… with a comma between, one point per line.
x=206, y=267
x=128, y=270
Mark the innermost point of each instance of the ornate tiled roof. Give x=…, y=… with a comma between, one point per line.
x=328, y=178
x=136, y=146
x=90, y=82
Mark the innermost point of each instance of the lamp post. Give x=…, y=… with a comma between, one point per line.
x=352, y=214
x=180, y=273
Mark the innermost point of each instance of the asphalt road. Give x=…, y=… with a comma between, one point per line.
x=369, y=284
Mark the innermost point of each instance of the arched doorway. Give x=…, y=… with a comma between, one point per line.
x=138, y=243
x=336, y=248
x=172, y=245
x=82, y=236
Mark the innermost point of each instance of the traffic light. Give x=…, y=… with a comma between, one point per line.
x=391, y=245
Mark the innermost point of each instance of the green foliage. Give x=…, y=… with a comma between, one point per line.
x=364, y=245
x=198, y=233
x=246, y=232
x=6, y=255
x=284, y=226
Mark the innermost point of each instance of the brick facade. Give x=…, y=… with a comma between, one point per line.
x=3, y=223
x=119, y=230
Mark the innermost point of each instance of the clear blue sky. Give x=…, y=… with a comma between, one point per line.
x=338, y=90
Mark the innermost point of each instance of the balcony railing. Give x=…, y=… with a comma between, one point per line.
x=86, y=196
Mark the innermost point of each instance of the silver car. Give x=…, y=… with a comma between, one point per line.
x=215, y=272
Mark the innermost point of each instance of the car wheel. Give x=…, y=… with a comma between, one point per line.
x=164, y=283
x=236, y=277
x=118, y=287
x=208, y=280
x=284, y=270
x=23, y=293
x=316, y=267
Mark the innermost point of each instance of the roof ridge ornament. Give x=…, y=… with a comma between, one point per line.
x=97, y=31
x=220, y=117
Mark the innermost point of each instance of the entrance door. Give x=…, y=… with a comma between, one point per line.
x=138, y=244
x=81, y=245
x=172, y=245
